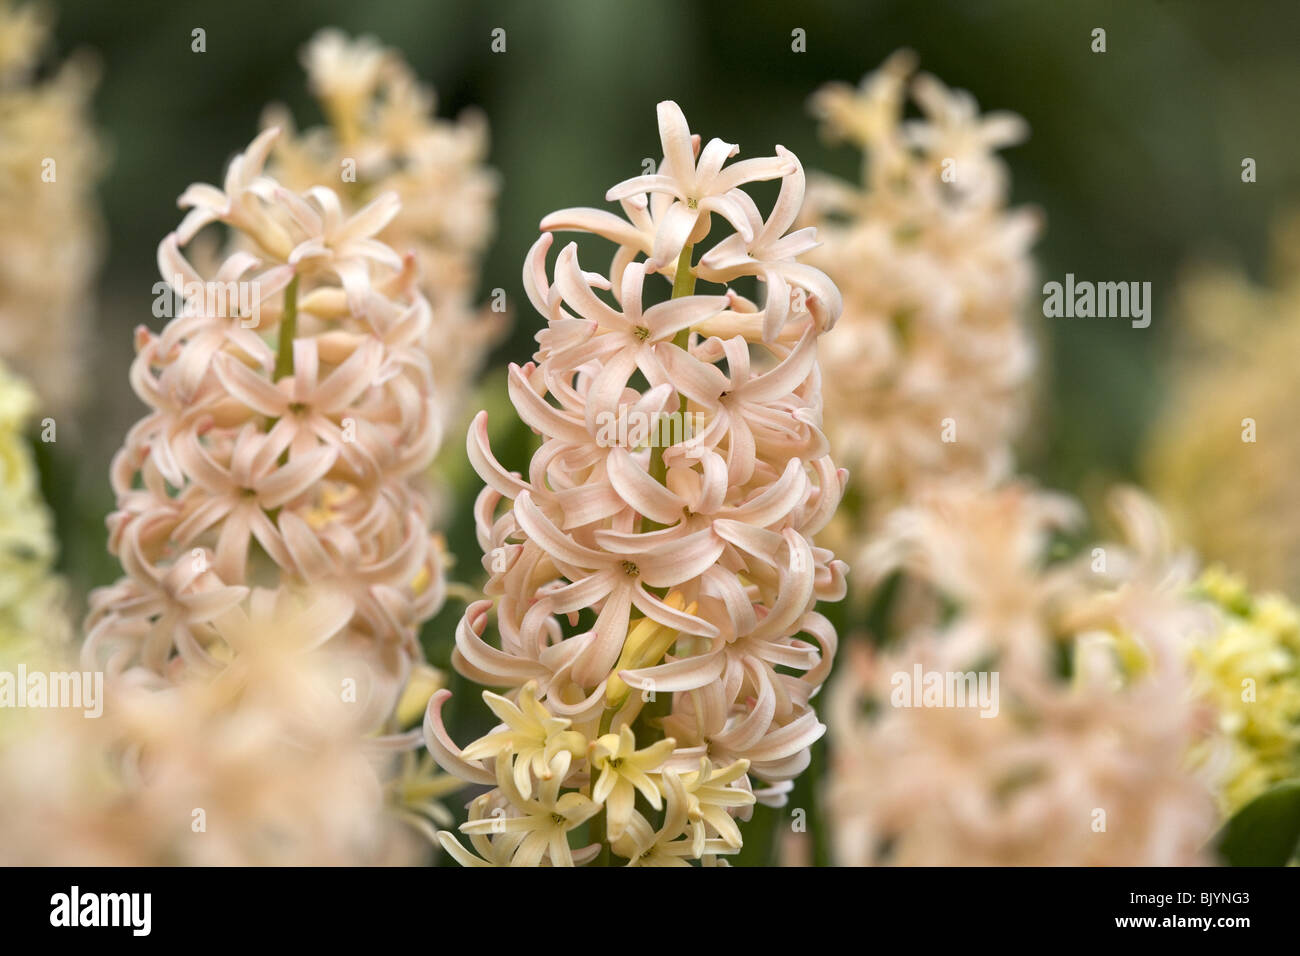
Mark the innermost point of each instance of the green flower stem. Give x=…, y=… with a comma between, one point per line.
x=598, y=836
x=288, y=329
x=683, y=285
x=284, y=357
x=598, y=824
x=607, y=721
x=684, y=278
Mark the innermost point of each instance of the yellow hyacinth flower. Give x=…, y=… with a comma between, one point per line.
x=1250, y=672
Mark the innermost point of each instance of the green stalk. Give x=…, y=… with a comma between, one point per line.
x=284, y=357
x=684, y=278
x=598, y=835
x=683, y=285
x=288, y=329
x=598, y=823
x=606, y=721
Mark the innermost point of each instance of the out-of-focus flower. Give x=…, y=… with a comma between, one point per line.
x=1250, y=671
x=33, y=619
x=260, y=762
x=383, y=136
x=24, y=31
x=50, y=162
x=292, y=417
x=986, y=549
x=933, y=356
x=1223, y=455
x=655, y=573
x=1082, y=755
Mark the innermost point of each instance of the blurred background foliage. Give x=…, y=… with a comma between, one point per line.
x=1134, y=158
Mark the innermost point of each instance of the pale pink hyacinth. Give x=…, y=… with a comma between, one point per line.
x=383, y=134
x=258, y=762
x=652, y=598
x=287, y=433
x=985, y=548
x=935, y=356
x=51, y=234
x=1095, y=769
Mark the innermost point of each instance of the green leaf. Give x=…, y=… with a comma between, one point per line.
x=1266, y=831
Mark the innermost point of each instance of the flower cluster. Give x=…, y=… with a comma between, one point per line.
x=257, y=764
x=49, y=224
x=383, y=135
x=32, y=616
x=650, y=593
x=932, y=358
x=1222, y=456
x=1250, y=671
x=1084, y=754
x=291, y=418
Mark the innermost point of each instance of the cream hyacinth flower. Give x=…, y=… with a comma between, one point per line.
x=936, y=276
x=938, y=785
x=50, y=243
x=650, y=594
x=288, y=429
x=1223, y=453
x=258, y=763
x=383, y=135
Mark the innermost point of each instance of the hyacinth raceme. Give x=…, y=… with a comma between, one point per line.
x=650, y=593
x=1249, y=670
x=288, y=429
x=1223, y=454
x=383, y=135
x=1028, y=784
x=50, y=243
x=259, y=763
x=936, y=276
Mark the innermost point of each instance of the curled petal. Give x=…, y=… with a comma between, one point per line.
x=444, y=750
